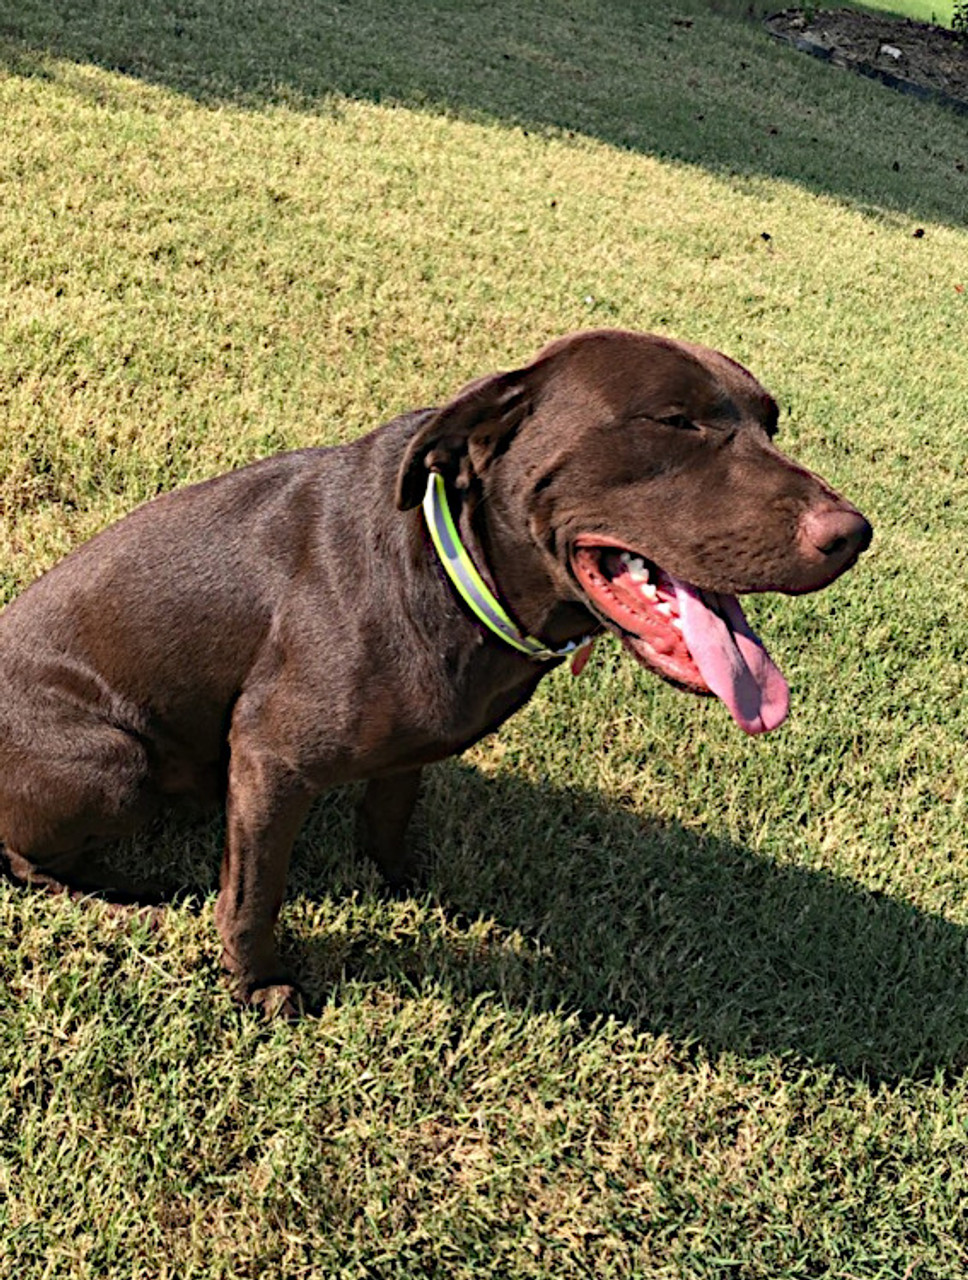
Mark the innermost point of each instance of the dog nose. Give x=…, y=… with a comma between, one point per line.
x=838, y=534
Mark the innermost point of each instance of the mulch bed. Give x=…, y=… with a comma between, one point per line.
x=913, y=57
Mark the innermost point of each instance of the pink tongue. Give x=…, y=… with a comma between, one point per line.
x=731, y=658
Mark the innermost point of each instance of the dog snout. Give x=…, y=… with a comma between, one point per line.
x=831, y=538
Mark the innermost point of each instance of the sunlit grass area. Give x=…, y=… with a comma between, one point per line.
x=670, y=1003
x=939, y=11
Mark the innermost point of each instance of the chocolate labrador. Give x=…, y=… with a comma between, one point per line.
x=357, y=612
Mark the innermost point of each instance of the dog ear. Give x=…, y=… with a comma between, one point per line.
x=462, y=437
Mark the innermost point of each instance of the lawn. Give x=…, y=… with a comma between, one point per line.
x=671, y=1002
x=939, y=11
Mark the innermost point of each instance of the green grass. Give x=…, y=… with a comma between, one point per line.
x=673, y=1002
x=938, y=11
x=922, y=10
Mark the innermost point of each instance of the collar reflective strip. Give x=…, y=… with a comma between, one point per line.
x=469, y=584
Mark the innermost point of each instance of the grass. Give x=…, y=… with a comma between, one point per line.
x=938, y=11
x=672, y=1003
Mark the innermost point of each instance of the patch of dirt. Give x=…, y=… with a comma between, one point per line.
x=914, y=57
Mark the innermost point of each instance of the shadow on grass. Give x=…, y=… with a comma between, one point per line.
x=695, y=80
x=561, y=901
x=670, y=931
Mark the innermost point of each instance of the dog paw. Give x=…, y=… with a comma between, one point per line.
x=278, y=1000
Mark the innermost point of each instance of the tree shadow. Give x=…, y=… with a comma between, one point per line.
x=655, y=79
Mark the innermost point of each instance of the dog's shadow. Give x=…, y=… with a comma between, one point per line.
x=562, y=900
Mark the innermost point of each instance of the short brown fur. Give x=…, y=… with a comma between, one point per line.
x=285, y=628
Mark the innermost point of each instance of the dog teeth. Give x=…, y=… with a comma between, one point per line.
x=648, y=590
x=665, y=609
x=635, y=565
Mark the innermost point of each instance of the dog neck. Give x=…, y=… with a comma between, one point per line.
x=469, y=580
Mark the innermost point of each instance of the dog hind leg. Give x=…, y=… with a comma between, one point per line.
x=56, y=811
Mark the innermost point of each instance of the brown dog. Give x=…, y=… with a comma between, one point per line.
x=288, y=627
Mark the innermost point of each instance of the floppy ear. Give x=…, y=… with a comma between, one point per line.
x=461, y=438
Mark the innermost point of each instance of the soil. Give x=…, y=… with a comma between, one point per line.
x=914, y=57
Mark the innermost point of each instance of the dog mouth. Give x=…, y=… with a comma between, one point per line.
x=699, y=640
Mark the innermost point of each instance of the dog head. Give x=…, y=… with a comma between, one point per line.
x=637, y=477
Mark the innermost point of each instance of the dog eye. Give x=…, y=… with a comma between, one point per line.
x=679, y=421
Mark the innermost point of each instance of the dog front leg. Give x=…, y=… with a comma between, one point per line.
x=385, y=810
x=265, y=808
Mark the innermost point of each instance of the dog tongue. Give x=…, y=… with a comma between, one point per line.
x=731, y=659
